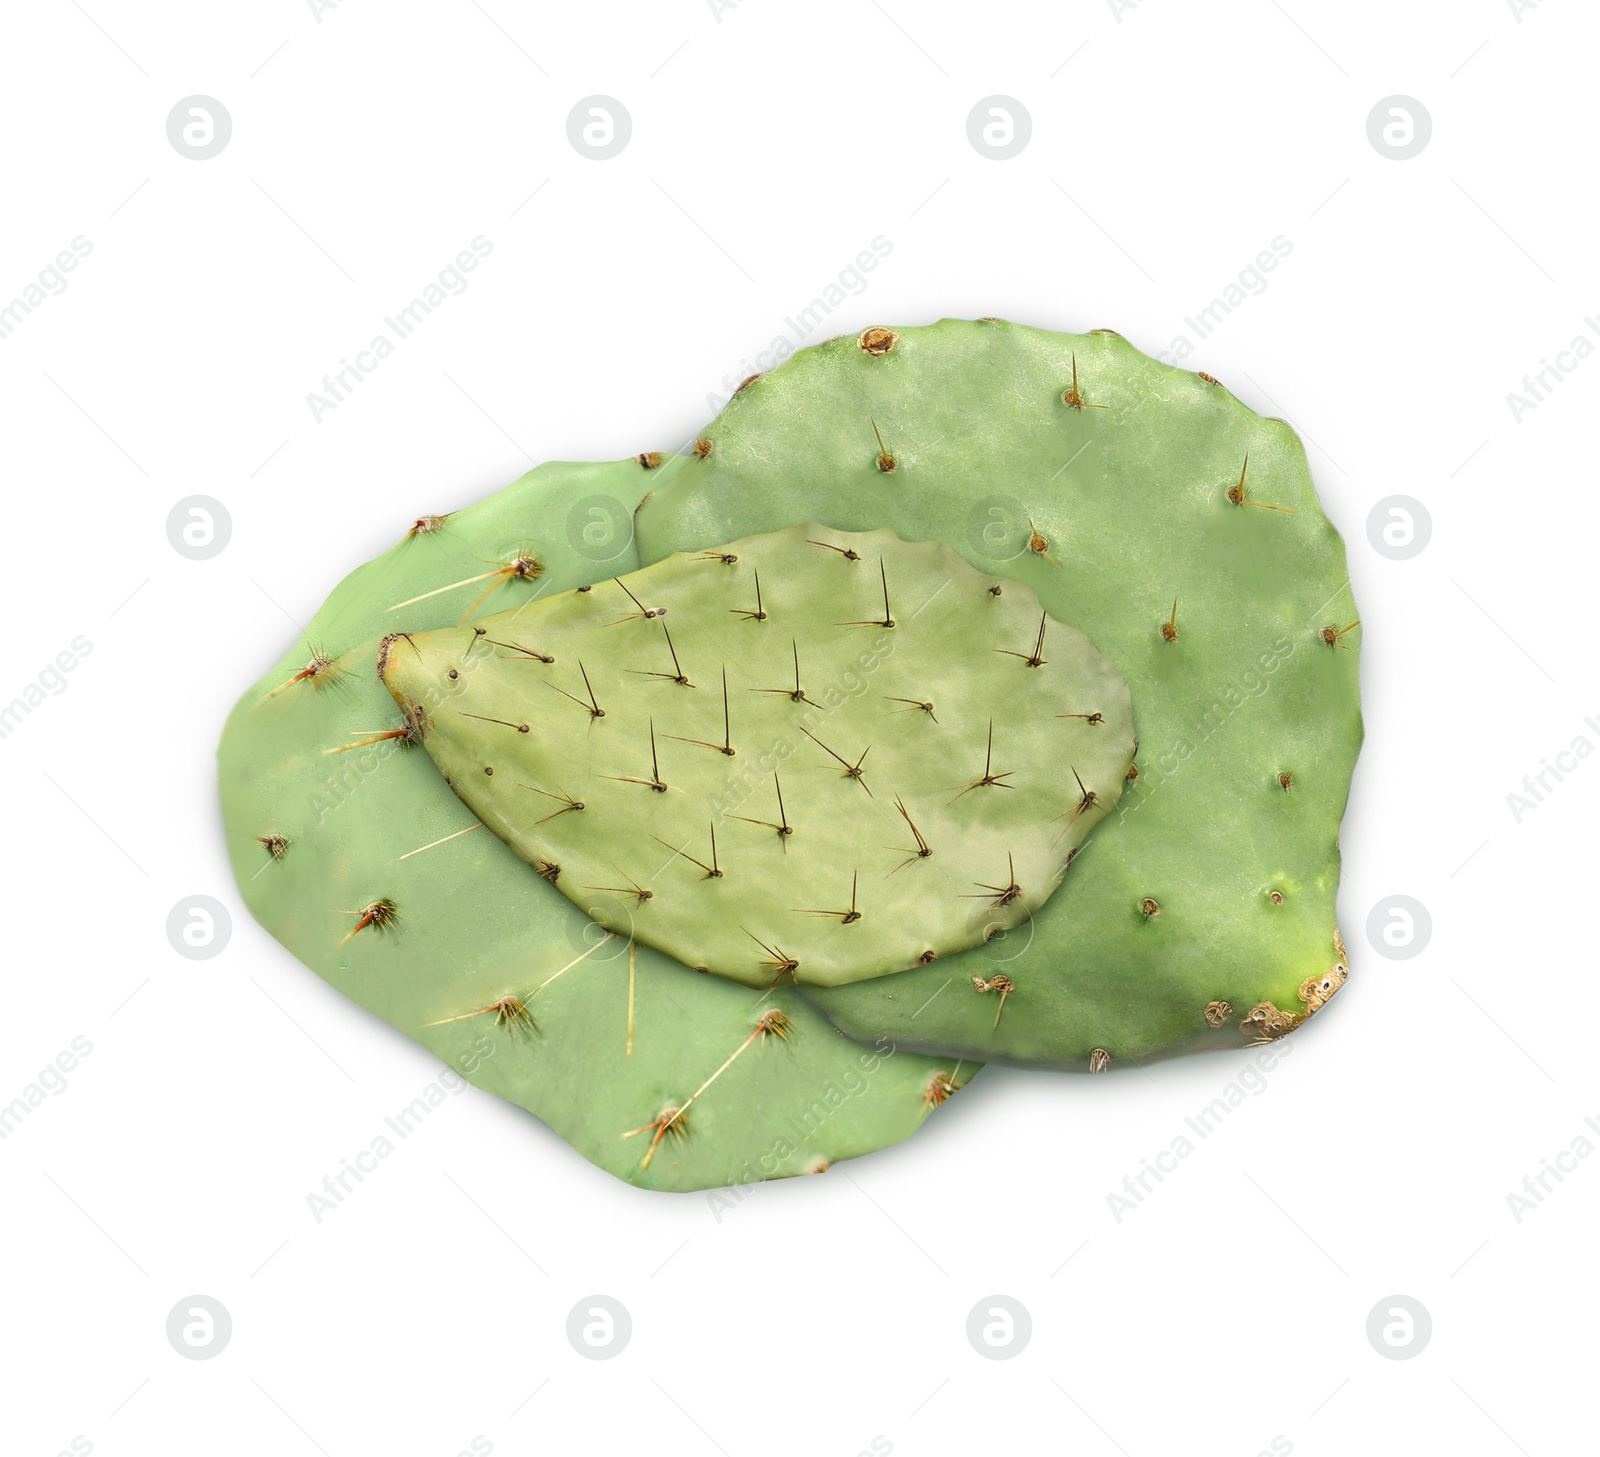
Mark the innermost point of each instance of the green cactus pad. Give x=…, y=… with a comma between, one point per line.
x=808, y=757
x=351, y=850
x=1182, y=532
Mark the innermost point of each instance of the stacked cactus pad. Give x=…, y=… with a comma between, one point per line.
x=975, y=692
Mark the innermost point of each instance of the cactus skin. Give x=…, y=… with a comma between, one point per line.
x=601, y=1046
x=1117, y=487
x=936, y=717
x=546, y=511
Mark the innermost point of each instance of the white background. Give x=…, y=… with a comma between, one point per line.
x=1171, y=143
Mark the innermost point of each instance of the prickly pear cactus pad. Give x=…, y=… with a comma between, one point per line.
x=807, y=757
x=351, y=850
x=1182, y=532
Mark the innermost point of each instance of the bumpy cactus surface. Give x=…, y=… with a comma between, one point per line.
x=350, y=849
x=1182, y=532
x=806, y=757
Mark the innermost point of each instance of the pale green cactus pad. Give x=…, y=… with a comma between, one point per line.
x=1182, y=533
x=808, y=757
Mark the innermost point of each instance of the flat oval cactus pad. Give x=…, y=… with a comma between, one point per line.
x=1183, y=532
x=809, y=757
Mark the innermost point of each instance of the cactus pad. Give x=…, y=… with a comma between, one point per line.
x=1182, y=532
x=809, y=757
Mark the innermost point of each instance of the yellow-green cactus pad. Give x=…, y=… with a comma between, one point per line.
x=808, y=757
